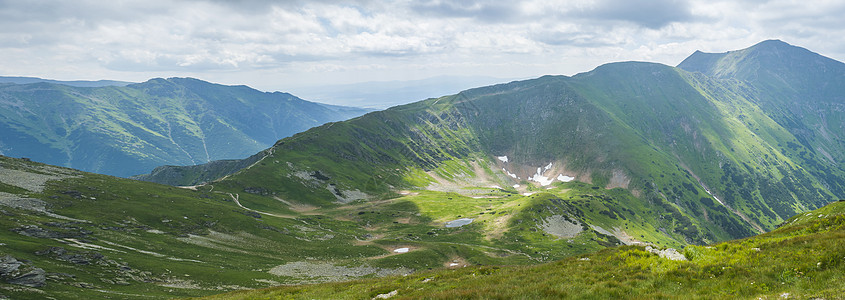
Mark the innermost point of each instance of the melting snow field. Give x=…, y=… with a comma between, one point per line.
x=544, y=180
x=458, y=223
x=401, y=250
x=540, y=177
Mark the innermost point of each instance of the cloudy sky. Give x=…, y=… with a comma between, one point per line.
x=278, y=45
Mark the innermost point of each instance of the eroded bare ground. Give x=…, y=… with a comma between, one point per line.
x=460, y=182
x=560, y=227
x=456, y=262
x=34, y=178
x=313, y=272
x=297, y=206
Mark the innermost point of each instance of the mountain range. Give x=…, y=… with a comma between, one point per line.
x=662, y=161
x=128, y=129
x=76, y=83
x=725, y=145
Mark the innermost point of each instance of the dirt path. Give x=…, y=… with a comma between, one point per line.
x=298, y=207
x=235, y=198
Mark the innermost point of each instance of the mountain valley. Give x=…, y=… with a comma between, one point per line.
x=556, y=176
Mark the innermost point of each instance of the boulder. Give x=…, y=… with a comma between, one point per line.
x=17, y=272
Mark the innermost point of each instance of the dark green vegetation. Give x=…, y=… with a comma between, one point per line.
x=804, y=259
x=129, y=130
x=638, y=153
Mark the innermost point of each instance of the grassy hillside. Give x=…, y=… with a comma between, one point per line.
x=697, y=151
x=81, y=235
x=803, y=259
x=517, y=174
x=129, y=130
x=94, y=236
x=800, y=91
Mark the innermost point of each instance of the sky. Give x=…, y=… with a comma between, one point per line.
x=280, y=45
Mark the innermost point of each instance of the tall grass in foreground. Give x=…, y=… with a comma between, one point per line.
x=801, y=260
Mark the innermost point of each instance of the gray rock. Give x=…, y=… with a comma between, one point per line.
x=668, y=253
x=76, y=257
x=38, y=232
x=18, y=272
x=35, y=277
x=9, y=265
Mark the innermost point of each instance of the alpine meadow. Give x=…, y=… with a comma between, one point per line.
x=720, y=178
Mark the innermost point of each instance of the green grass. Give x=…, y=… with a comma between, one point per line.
x=802, y=260
x=202, y=242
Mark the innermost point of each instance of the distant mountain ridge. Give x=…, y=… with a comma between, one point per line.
x=76, y=83
x=129, y=130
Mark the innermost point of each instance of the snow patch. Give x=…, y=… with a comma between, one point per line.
x=540, y=177
x=401, y=250
x=509, y=173
x=503, y=158
x=527, y=194
x=516, y=186
x=564, y=178
x=542, y=180
x=496, y=187
x=711, y=194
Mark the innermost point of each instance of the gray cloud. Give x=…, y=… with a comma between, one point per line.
x=368, y=40
x=485, y=11
x=647, y=13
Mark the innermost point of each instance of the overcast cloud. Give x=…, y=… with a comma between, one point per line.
x=277, y=45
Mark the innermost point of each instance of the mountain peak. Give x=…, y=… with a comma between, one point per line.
x=773, y=55
x=773, y=43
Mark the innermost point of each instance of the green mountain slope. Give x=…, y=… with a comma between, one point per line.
x=68, y=234
x=698, y=151
x=517, y=174
x=130, y=130
x=801, y=260
x=800, y=90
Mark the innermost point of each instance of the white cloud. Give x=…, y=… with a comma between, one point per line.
x=270, y=44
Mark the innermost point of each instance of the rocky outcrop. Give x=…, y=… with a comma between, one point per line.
x=64, y=230
x=668, y=253
x=19, y=272
x=79, y=258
